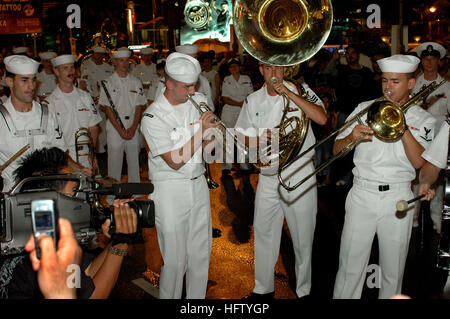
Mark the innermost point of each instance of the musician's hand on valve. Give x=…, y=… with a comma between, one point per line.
x=361, y=132
x=280, y=88
x=207, y=120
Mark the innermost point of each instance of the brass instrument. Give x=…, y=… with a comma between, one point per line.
x=242, y=149
x=284, y=33
x=385, y=118
x=83, y=139
x=14, y=157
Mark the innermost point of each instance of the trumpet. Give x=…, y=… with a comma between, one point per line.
x=385, y=118
x=242, y=148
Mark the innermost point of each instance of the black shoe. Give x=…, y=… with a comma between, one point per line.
x=255, y=296
x=216, y=233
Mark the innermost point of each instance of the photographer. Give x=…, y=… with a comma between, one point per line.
x=98, y=275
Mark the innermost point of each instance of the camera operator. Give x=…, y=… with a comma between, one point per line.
x=99, y=274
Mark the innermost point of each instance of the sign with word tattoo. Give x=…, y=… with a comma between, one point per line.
x=20, y=16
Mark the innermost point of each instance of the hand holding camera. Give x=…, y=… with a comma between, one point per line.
x=52, y=266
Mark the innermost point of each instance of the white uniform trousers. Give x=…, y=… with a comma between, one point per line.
x=116, y=146
x=370, y=212
x=272, y=204
x=183, y=224
x=229, y=118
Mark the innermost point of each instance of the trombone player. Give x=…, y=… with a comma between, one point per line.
x=263, y=110
x=382, y=175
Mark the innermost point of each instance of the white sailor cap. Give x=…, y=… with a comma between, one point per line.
x=20, y=64
x=63, y=59
x=187, y=49
x=122, y=52
x=20, y=50
x=98, y=49
x=47, y=55
x=182, y=67
x=147, y=51
x=399, y=64
x=431, y=49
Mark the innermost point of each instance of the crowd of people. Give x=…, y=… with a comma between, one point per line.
x=172, y=106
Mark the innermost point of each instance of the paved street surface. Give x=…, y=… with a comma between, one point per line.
x=231, y=274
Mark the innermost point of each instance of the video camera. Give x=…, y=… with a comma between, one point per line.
x=83, y=209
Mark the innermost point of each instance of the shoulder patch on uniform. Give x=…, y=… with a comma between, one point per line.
x=427, y=132
x=148, y=115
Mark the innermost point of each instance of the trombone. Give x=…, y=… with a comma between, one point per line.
x=385, y=118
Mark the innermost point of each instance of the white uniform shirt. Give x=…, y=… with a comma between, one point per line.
x=237, y=90
x=155, y=88
x=48, y=83
x=93, y=74
x=263, y=111
x=387, y=161
x=211, y=77
x=126, y=93
x=441, y=107
x=145, y=73
x=9, y=144
x=437, y=153
x=73, y=111
x=166, y=128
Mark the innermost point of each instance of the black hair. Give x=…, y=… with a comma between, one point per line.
x=42, y=162
x=161, y=65
x=9, y=74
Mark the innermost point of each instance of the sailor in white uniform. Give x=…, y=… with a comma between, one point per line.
x=93, y=71
x=235, y=88
x=126, y=97
x=46, y=78
x=175, y=133
x=74, y=109
x=438, y=105
x=146, y=70
x=24, y=121
x=382, y=175
x=262, y=110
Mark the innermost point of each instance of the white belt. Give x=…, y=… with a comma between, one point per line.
x=379, y=186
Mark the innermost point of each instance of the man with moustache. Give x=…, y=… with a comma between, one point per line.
x=24, y=121
x=74, y=109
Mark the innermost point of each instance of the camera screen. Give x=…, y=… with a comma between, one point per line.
x=43, y=220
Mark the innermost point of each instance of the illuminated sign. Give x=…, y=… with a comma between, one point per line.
x=206, y=19
x=20, y=16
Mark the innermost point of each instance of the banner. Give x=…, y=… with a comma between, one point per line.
x=206, y=19
x=20, y=16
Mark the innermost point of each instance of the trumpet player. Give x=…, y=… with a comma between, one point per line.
x=382, y=175
x=74, y=109
x=263, y=110
x=176, y=133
